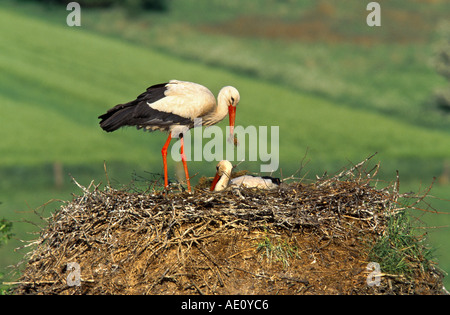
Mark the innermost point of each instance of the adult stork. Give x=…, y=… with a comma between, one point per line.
x=223, y=176
x=174, y=107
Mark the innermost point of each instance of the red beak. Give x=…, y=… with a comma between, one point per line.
x=214, y=182
x=232, y=116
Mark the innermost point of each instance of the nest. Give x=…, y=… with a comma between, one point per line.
x=304, y=238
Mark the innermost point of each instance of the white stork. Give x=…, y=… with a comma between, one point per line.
x=172, y=107
x=223, y=175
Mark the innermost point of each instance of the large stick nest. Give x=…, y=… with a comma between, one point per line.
x=302, y=238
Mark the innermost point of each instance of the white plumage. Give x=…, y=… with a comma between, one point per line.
x=188, y=100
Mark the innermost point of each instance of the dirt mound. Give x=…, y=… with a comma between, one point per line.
x=305, y=238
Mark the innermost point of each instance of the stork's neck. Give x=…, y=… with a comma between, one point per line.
x=222, y=105
x=223, y=182
x=220, y=112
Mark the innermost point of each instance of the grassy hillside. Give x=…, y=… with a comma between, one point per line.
x=56, y=80
x=320, y=47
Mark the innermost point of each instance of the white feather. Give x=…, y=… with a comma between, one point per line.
x=186, y=99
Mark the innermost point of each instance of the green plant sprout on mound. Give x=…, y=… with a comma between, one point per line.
x=399, y=250
x=275, y=250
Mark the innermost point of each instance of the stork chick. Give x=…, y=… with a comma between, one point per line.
x=223, y=175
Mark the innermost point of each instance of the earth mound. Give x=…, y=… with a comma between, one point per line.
x=304, y=238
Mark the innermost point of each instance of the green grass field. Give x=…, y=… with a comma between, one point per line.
x=55, y=81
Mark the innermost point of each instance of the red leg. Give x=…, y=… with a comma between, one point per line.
x=183, y=159
x=164, y=155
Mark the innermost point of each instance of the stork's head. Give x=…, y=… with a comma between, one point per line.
x=230, y=96
x=223, y=168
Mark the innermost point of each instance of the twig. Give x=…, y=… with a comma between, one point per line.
x=106, y=174
x=349, y=171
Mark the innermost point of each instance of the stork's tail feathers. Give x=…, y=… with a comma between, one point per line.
x=115, y=118
x=274, y=180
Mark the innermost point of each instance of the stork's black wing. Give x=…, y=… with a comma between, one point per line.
x=139, y=113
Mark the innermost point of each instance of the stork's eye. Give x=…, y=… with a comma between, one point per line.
x=232, y=99
x=217, y=168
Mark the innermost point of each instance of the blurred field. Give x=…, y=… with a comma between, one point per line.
x=320, y=47
x=338, y=92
